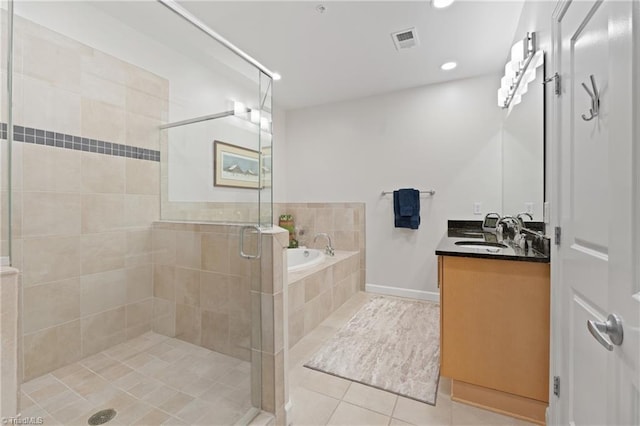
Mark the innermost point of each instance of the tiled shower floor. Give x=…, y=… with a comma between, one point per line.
x=149, y=380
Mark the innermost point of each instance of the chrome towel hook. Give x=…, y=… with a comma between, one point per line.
x=595, y=99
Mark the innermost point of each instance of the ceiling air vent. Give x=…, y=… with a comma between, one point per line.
x=405, y=39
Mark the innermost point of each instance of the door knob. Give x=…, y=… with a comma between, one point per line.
x=612, y=327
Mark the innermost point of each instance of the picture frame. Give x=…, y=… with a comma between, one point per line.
x=266, y=167
x=235, y=166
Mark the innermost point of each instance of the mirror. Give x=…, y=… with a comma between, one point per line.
x=523, y=153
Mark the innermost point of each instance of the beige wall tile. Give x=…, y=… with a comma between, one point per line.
x=147, y=82
x=164, y=282
x=344, y=219
x=47, y=168
x=139, y=283
x=215, y=331
x=56, y=60
x=239, y=295
x=103, y=291
x=187, y=286
x=141, y=210
x=278, y=322
x=47, y=259
x=102, y=121
x=267, y=323
x=324, y=220
x=215, y=253
x=43, y=353
x=144, y=104
x=139, y=313
x=139, y=242
x=188, y=249
x=103, y=252
x=106, y=66
x=296, y=327
x=142, y=131
x=46, y=213
x=103, y=90
x=164, y=246
x=214, y=292
x=316, y=311
x=103, y=330
x=102, y=212
x=268, y=383
x=138, y=330
x=188, y=326
x=51, y=304
x=319, y=282
x=102, y=173
x=238, y=265
x=239, y=332
x=296, y=295
x=164, y=318
x=46, y=106
x=143, y=177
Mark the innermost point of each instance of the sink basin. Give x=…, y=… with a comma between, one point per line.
x=485, y=245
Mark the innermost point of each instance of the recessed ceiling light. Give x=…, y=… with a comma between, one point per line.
x=321, y=8
x=448, y=66
x=441, y=4
x=276, y=76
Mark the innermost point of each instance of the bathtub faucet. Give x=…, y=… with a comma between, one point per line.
x=329, y=250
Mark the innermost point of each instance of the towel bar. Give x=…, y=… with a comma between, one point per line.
x=430, y=192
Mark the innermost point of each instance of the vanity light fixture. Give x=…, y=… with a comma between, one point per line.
x=276, y=76
x=441, y=4
x=253, y=115
x=519, y=71
x=448, y=66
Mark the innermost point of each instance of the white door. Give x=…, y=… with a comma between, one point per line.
x=598, y=261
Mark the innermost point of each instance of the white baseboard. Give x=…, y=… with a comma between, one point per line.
x=403, y=292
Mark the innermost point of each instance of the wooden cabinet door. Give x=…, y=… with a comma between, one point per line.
x=495, y=324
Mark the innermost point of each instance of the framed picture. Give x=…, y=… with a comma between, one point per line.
x=266, y=167
x=235, y=167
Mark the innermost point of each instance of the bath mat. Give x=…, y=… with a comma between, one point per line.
x=389, y=344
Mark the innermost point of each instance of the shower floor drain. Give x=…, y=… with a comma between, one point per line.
x=102, y=417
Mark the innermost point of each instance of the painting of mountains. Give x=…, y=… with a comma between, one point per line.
x=235, y=166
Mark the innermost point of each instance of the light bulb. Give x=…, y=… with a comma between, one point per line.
x=517, y=52
x=441, y=4
x=239, y=108
x=448, y=66
x=509, y=72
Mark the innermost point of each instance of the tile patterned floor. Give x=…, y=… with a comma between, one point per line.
x=149, y=380
x=156, y=380
x=322, y=399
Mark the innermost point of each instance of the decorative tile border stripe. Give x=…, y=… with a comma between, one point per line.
x=61, y=140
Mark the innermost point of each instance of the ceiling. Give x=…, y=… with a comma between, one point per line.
x=347, y=52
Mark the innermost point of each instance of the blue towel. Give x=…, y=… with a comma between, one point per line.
x=406, y=208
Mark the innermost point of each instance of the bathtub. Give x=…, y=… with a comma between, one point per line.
x=299, y=259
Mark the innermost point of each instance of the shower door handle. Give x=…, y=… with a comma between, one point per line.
x=258, y=231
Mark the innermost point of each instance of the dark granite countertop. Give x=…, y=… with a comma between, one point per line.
x=470, y=231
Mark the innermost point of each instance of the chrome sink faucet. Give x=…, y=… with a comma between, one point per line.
x=516, y=223
x=520, y=215
x=329, y=250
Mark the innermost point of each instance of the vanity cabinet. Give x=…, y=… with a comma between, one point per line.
x=495, y=333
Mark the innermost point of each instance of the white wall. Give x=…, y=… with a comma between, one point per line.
x=445, y=136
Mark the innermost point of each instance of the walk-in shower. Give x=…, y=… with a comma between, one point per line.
x=136, y=186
